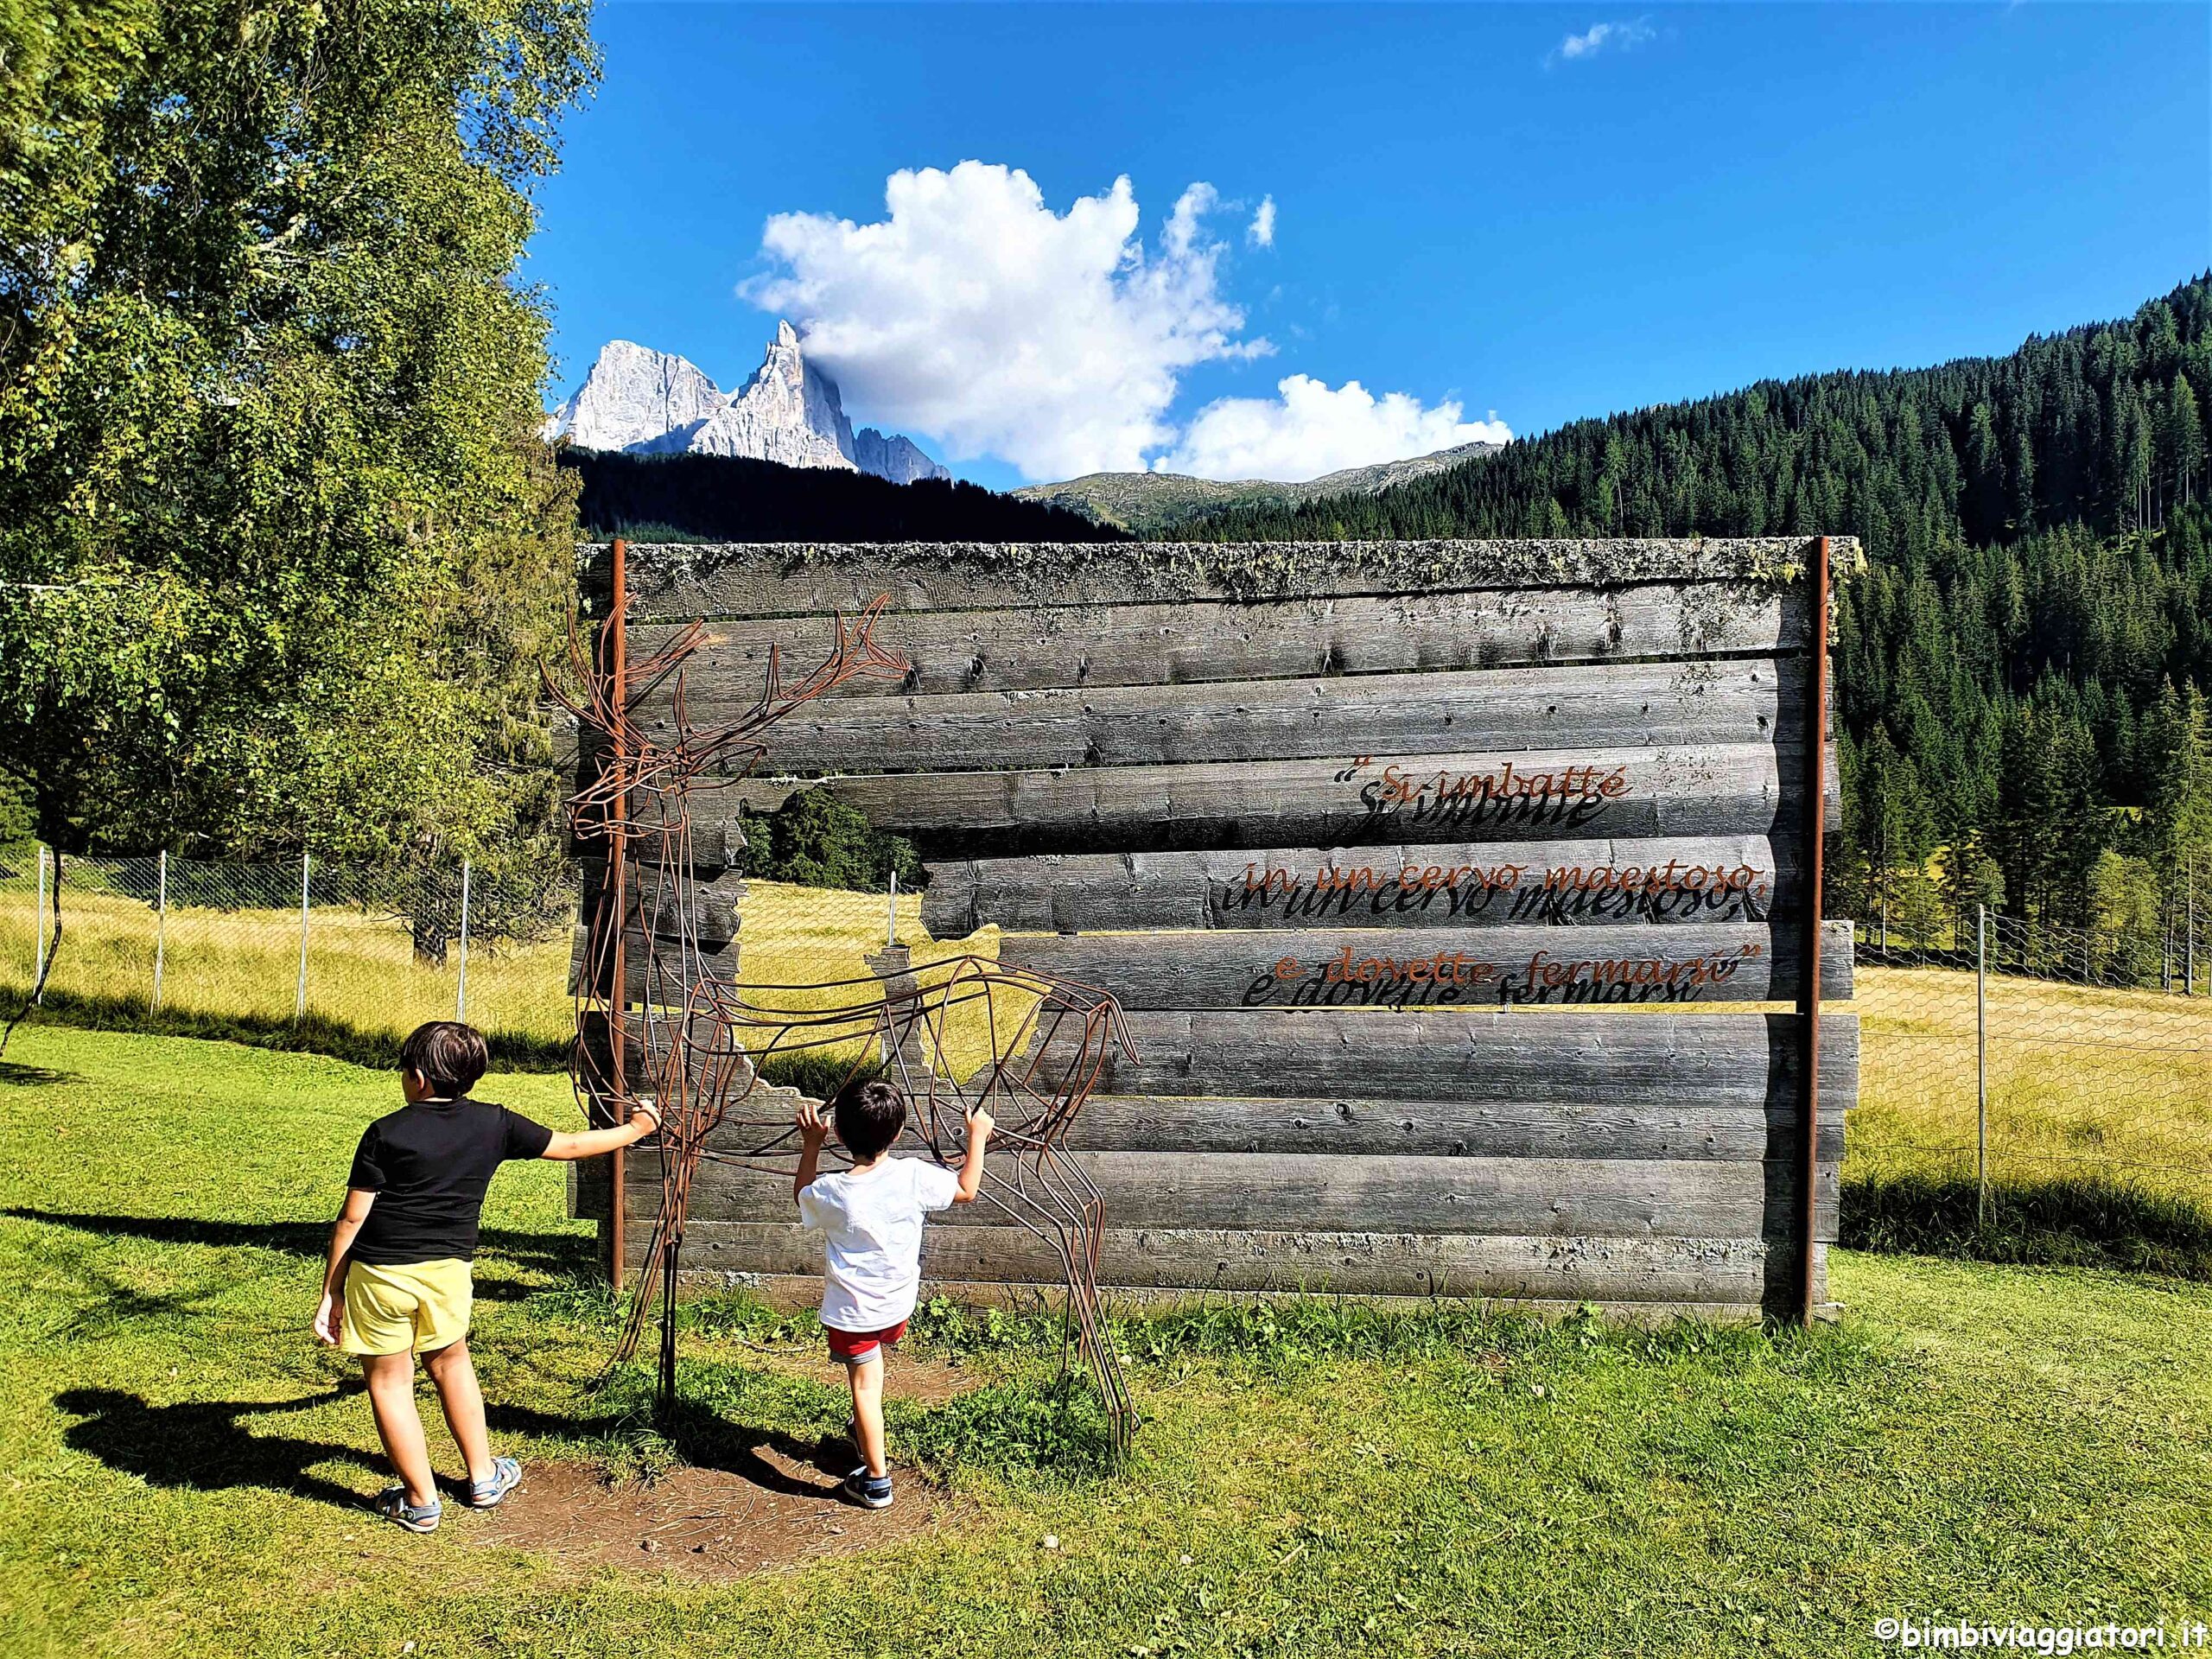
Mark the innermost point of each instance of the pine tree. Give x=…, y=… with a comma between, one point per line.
x=2185, y=438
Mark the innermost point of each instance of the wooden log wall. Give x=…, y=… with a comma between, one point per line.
x=1441, y=883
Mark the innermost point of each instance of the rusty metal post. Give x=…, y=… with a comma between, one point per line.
x=1809, y=996
x=617, y=624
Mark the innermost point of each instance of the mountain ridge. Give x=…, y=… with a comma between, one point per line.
x=634, y=400
x=1146, y=503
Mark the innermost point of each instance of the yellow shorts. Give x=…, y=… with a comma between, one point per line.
x=419, y=1306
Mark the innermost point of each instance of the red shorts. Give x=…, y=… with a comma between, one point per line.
x=858, y=1347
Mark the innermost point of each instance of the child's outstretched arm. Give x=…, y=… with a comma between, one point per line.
x=351, y=1216
x=567, y=1148
x=971, y=1166
x=812, y=1132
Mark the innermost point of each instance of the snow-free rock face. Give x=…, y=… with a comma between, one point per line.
x=892, y=456
x=650, y=402
x=633, y=397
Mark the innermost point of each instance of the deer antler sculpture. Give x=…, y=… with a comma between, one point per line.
x=655, y=1018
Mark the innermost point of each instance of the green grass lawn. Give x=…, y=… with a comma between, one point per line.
x=176, y=1455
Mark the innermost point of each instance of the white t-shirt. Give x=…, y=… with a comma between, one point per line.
x=872, y=1238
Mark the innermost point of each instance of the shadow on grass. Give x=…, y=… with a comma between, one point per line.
x=548, y=1253
x=33, y=1077
x=2069, y=1221
x=697, y=1434
x=316, y=1034
x=205, y=1444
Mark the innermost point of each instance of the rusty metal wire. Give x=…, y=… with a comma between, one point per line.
x=659, y=1017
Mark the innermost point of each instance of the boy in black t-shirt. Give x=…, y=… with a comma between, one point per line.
x=398, y=1282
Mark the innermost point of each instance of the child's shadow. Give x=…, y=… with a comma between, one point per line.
x=705, y=1440
x=203, y=1444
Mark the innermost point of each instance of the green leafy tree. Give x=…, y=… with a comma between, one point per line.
x=280, y=554
x=2125, y=942
x=815, y=840
x=1971, y=879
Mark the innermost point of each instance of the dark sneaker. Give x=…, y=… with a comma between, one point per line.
x=506, y=1476
x=870, y=1491
x=392, y=1504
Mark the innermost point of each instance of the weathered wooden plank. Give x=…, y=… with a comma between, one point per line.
x=1349, y=800
x=1595, y=705
x=1449, y=885
x=1493, y=1129
x=1342, y=1263
x=796, y=1292
x=715, y=897
x=657, y=903
x=1531, y=1055
x=1703, y=962
x=662, y=972
x=715, y=842
x=671, y=581
x=1193, y=643
x=1610, y=1198
x=1616, y=1128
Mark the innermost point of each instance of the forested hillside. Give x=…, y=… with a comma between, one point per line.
x=736, y=498
x=2020, y=673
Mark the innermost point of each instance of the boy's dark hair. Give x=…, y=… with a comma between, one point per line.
x=869, y=1113
x=451, y=1056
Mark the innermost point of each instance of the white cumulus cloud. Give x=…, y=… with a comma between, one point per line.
x=1262, y=231
x=974, y=313
x=1599, y=37
x=1310, y=428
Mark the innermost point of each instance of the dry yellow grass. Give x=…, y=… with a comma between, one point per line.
x=2115, y=1081
x=2080, y=1079
x=362, y=970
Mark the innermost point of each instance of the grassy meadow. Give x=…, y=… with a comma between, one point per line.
x=2100, y=1111
x=240, y=967
x=182, y=1461
x=2077, y=1075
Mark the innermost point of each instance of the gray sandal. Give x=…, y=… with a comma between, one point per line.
x=392, y=1504
x=506, y=1476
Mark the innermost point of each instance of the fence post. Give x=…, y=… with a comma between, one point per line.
x=300, y=996
x=38, y=928
x=161, y=931
x=2189, y=952
x=460, y=991
x=1981, y=1062
x=891, y=922
x=1809, y=991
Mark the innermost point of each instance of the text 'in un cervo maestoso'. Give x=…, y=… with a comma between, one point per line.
x=1674, y=891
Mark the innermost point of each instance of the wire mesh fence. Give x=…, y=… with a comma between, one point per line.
x=2015, y=1054
x=373, y=952
x=2041, y=1052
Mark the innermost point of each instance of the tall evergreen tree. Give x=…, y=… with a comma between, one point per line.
x=2041, y=566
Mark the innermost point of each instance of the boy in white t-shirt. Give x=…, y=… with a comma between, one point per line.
x=870, y=1216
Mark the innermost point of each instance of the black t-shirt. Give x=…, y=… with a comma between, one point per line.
x=428, y=1165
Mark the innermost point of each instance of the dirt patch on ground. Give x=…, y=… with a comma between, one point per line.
x=777, y=1507
x=703, y=1524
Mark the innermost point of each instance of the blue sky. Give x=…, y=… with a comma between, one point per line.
x=1543, y=212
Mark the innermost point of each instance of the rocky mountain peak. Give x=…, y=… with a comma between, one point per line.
x=645, y=401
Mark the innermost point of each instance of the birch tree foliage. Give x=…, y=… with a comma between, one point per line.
x=279, y=550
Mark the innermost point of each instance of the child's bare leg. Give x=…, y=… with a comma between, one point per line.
x=454, y=1373
x=391, y=1402
x=867, y=1410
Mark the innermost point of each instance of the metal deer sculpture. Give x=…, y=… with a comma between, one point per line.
x=655, y=1020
